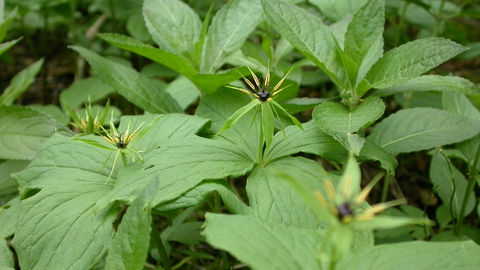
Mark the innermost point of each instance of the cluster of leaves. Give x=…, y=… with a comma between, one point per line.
x=69, y=205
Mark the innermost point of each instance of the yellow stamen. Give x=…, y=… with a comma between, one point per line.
x=281, y=81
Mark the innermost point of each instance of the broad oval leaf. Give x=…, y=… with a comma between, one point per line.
x=137, y=88
x=422, y=128
x=338, y=121
x=274, y=199
x=230, y=27
x=58, y=227
x=269, y=245
x=173, y=25
x=23, y=130
x=411, y=60
x=180, y=164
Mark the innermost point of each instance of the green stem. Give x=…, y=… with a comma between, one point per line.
x=401, y=23
x=160, y=247
x=439, y=19
x=386, y=184
x=260, y=147
x=469, y=190
x=124, y=159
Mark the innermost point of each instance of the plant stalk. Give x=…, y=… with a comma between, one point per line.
x=160, y=247
x=469, y=190
x=260, y=147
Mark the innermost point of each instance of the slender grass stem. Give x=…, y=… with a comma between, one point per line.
x=160, y=247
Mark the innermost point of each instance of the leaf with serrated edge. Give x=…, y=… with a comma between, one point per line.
x=411, y=60
x=134, y=86
x=338, y=121
x=432, y=83
x=173, y=25
x=308, y=34
x=230, y=27
x=365, y=29
x=421, y=129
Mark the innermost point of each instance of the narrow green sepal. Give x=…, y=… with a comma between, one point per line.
x=239, y=114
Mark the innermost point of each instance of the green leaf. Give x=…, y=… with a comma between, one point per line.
x=80, y=91
x=411, y=60
x=312, y=140
x=267, y=122
x=168, y=59
x=168, y=126
x=183, y=91
x=7, y=261
x=297, y=105
x=461, y=105
x=421, y=129
x=365, y=33
x=23, y=130
x=219, y=106
x=338, y=121
x=7, y=45
x=129, y=247
x=199, y=193
x=137, y=88
x=20, y=83
x=451, y=184
x=9, y=188
x=230, y=27
x=60, y=217
x=8, y=217
x=52, y=110
x=181, y=164
x=308, y=34
x=240, y=113
x=173, y=25
x=274, y=199
x=432, y=83
x=371, y=151
x=269, y=245
x=420, y=255
x=338, y=10
x=209, y=83
x=6, y=22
